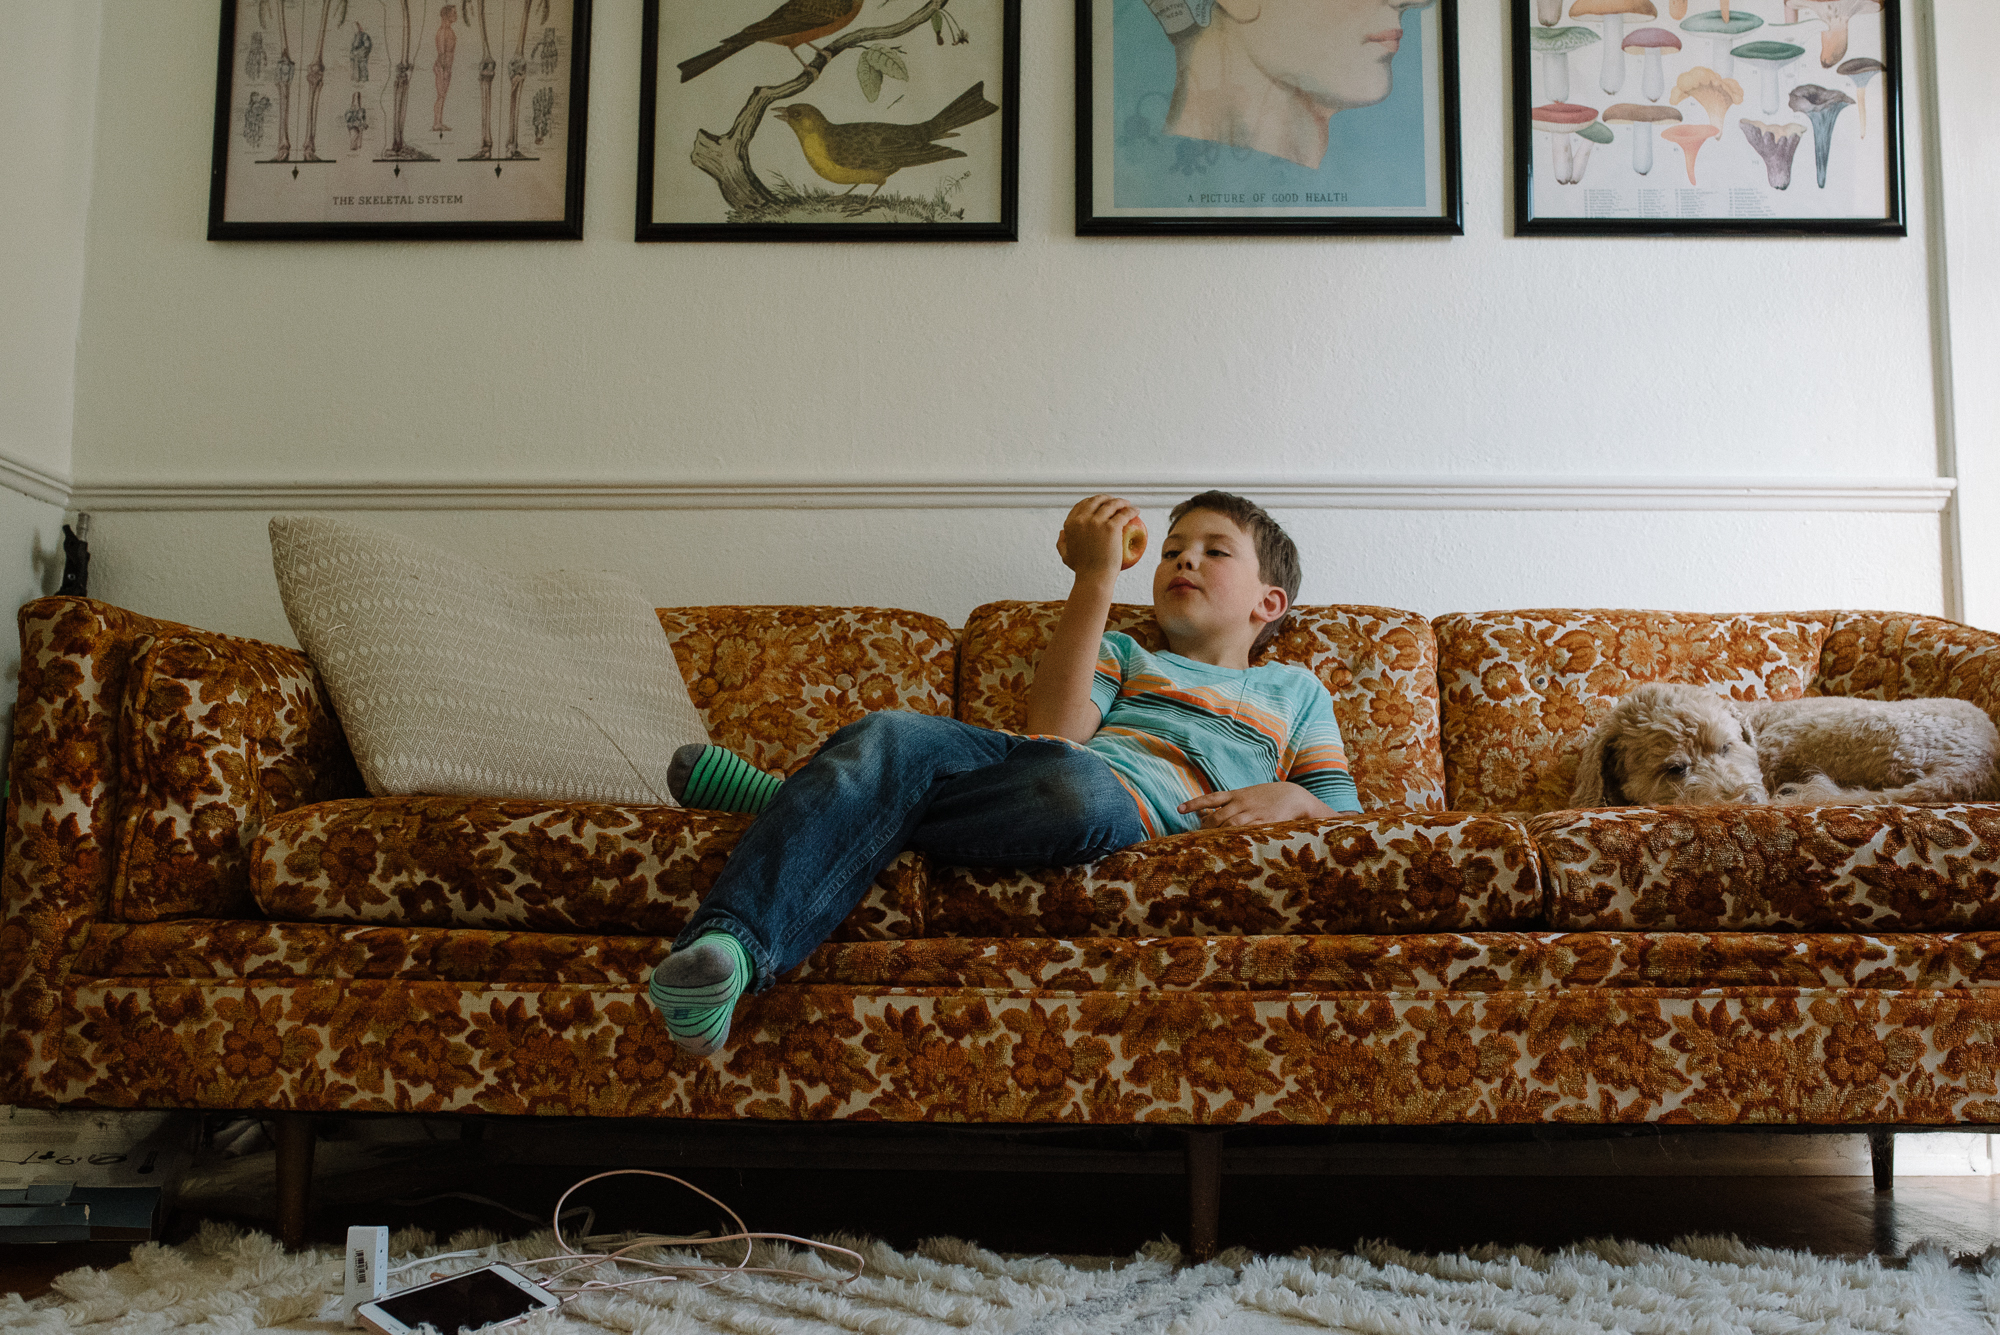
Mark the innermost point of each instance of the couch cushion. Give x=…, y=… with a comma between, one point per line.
x=1392, y=872
x=1380, y=666
x=542, y=866
x=1812, y=869
x=454, y=679
x=774, y=683
x=1521, y=690
x=218, y=735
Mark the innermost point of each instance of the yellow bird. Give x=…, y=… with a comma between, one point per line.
x=862, y=153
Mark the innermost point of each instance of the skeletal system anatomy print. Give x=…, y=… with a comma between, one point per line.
x=776, y=119
x=400, y=118
x=1661, y=115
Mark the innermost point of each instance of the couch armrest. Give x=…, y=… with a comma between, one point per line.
x=117, y=753
x=1900, y=656
x=62, y=803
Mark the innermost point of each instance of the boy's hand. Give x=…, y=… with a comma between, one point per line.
x=1092, y=541
x=1258, y=804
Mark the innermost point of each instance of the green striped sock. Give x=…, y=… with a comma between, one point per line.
x=695, y=990
x=714, y=778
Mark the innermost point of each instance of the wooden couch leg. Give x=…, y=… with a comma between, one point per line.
x=1204, y=1178
x=295, y=1167
x=1882, y=1157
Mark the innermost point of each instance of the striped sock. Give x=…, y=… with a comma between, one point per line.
x=714, y=778
x=696, y=988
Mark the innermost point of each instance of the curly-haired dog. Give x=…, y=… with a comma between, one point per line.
x=1665, y=745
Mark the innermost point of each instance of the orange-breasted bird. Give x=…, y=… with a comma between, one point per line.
x=870, y=152
x=789, y=24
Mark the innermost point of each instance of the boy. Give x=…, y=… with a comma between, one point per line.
x=1122, y=745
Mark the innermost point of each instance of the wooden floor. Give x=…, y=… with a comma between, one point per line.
x=427, y=1185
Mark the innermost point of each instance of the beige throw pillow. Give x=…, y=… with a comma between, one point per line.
x=453, y=679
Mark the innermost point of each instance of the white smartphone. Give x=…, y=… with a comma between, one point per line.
x=495, y=1295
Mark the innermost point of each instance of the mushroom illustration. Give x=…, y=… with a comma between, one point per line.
x=1650, y=44
x=1835, y=14
x=1773, y=56
x=1690, y=138
x=1821, y=106
x=1589, y=137
x=1612, y=14
x=1643, y=119
x=1721, y=30
x=1861, y=69
x=1560, y=120
x=1777, y=145
x=1715, y=93
x=1553, y=45
x=1549, y=12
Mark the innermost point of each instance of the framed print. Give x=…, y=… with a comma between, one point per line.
x=400, y=120
x=798, y=120
x=1759, y=116
x=1215, y=116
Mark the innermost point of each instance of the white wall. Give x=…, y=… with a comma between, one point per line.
x=1968, y=161
x=30, y=566
x=209, y=367
x=47, y=100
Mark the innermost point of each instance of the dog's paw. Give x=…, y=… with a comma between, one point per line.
x=1815, y=791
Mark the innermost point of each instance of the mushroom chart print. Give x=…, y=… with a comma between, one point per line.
x=1702, y=119
x=400, y=119
x=1278, y=115
x=828, y=119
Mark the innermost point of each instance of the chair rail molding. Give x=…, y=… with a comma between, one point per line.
x=1911, y=495
x=35, y=483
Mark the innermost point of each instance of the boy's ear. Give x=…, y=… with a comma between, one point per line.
x=1272, y=606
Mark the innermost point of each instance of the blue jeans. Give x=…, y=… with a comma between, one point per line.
x=962, y=794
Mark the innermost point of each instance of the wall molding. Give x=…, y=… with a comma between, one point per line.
x=34, y=483
x=1408, y=492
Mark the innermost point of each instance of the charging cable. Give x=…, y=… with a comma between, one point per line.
x=578, y=1258
x=575, y=1261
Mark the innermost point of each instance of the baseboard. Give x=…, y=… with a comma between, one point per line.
x=1877, y=495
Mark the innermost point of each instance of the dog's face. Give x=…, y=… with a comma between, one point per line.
x=1670, y=746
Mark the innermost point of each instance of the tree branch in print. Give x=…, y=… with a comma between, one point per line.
x=726, y=157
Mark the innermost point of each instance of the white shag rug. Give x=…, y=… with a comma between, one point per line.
x=224, y=1281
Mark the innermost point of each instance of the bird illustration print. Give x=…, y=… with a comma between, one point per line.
x=792, y=23
x=862, y=153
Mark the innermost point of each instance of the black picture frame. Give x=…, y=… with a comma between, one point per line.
x=450, y=174
x=1448, y=220
x=1885, y=89
x=1003, y=227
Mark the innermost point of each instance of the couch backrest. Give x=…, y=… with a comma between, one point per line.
x=1901, y=656
x=1379, y=664
x=773, y=683
x=1522, y=690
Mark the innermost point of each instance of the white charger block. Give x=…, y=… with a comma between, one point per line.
x=367, y=1268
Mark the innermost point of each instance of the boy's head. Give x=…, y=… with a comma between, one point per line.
x=1224, y=563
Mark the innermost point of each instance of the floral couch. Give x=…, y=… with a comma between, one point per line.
x=203, y=910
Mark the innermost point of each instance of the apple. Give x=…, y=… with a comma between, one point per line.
x=1135, y=543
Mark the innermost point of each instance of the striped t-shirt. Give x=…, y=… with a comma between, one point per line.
x=1174, y=729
